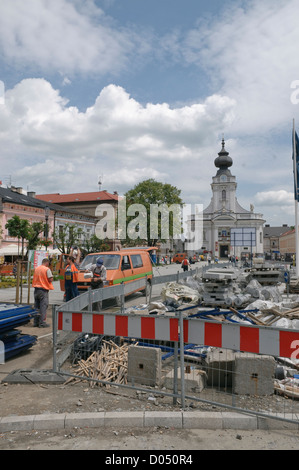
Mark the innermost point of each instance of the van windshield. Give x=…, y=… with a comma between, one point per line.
x=110, y=261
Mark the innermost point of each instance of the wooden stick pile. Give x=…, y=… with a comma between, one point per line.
x=109, y=364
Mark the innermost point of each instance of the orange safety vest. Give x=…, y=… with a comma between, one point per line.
x=40, y=278
x=75, y=272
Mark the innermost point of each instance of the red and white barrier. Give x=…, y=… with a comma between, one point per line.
x=260, y=340
x=143, y=327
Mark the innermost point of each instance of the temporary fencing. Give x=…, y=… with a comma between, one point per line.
x=189, y=359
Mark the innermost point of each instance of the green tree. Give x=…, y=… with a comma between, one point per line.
x=34, y=231
x=67, y=236
x=152, y=195
x=93, y=245
x=19, y=228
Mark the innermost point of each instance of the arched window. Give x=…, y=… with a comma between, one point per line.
x=223, y=195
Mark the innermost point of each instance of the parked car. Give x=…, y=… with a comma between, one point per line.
x=178, y=258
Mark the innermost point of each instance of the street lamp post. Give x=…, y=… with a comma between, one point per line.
x=47, y=212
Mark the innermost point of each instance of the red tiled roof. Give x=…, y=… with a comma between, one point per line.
x=57, y=198
x=287, y=233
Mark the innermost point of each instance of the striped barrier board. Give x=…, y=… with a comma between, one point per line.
x=143, y=327
x=254, y=339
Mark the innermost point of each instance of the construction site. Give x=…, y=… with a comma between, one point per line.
x=230, y=322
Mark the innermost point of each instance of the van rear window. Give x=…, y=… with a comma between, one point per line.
x=136, y=261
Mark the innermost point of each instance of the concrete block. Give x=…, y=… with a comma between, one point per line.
x=163, y=418
x=82, y=420
x=253, y=375
x=195, y=380
x=17, y=423
x=144, y=365
x=202, y=420
x=232, y=420
x=219, y=366
x=49, y=421
x=125, y=419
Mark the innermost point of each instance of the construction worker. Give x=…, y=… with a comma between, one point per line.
x=71, y=279
x=42, y=283
x=98, y=274
x=98, y=277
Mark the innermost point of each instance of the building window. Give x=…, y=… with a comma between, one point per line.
x=223, y=195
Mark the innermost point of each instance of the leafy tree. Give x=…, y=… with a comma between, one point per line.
x=93, y=245
x=67, y=236
x=150, y=225
x=34, y=231
x=19, y=228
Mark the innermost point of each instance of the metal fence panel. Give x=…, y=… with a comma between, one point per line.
x=179, y=358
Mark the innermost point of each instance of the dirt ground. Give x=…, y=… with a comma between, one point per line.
x=31, y=398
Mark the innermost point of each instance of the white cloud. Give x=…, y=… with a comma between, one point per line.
x=116, y=136
x=250, y=54
x=274, y=198
x=69, y=36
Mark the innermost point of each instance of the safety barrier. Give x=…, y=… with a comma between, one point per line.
x=254, y=339
x=86, y=299
x=230, y=365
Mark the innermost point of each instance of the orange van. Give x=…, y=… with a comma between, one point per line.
x=121, y=266
x=178, y=258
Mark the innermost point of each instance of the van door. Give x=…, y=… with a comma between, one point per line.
x=126, y=268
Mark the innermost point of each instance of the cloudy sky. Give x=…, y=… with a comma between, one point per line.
x=125, y=90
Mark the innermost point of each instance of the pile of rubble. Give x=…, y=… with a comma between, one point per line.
x=230, y=291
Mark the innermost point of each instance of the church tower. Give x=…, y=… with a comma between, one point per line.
x=228, y=228
x=224, y=184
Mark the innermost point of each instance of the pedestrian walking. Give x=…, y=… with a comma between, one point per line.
x=42, y=283
x=185, y=264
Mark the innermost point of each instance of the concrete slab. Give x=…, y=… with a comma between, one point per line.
x=82, y=420
x=49, y=421
x=268, y=423
x=163, y=418
x=232, y=420
x=124, y=419
x=202, y=420
x=17, y=423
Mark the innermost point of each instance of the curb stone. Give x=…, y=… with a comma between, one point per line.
x=145, y=419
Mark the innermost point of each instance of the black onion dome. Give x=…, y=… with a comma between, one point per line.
x=223, y=161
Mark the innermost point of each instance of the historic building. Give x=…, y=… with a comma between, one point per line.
x=228, y=228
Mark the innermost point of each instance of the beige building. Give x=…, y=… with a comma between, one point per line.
x=273, y=240
x=287, y=243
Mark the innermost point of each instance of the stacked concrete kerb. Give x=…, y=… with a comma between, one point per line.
x=144, y=419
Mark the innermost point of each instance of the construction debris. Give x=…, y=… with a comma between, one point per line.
x=288, y=387
x=110, y=364
x=179, y=293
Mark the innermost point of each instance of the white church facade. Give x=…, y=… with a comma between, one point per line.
x=229, y=229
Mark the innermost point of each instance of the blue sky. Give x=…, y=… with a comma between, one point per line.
x=126, y=90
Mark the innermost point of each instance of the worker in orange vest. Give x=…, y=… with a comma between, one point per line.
x=42, y=283
x=70, y=279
